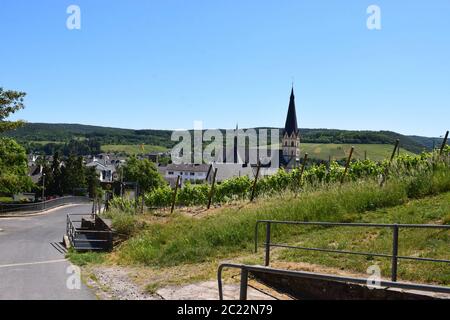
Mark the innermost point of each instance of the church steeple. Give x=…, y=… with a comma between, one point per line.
x=291, y=119
x=291, y=136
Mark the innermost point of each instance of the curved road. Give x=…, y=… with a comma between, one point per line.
x=32, y=262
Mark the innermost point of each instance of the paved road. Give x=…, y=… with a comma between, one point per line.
x=32, y=262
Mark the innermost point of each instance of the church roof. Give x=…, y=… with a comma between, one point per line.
x=291, y=119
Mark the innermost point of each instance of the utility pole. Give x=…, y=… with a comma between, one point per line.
x=43, y=190
x=121, y=182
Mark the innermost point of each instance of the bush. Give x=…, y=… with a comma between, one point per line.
x=421, y=168
x=125, y=224
x=124, y=205
x=191, y=195
x=187, y=240
x=160, y=197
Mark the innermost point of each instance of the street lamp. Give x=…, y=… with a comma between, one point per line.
x=43, y=190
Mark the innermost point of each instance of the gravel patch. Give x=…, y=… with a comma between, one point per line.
x=114, y=283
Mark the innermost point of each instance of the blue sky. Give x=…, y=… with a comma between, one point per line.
x=163, y=64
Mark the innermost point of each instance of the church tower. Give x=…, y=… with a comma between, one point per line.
x=291, y=136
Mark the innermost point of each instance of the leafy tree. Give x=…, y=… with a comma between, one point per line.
x=10, y=102
x=13, y=160
x=73, y=174
x=13, y=168
x=92, y=181
x=57, y=187
x=144, y=172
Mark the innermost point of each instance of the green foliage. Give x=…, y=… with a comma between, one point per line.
x=52, y=177
x=113, y=137
x=13, y=168
x=413, y=144
x=191, y=195
x=318, y=175
x=92, y=181
x=159, y=197
x=237, y=188
x=10, y=102
x=84, y=258
x=123, y=205
x=124, y=222
x=73, y=174
x=144, y=172
x=187, y=240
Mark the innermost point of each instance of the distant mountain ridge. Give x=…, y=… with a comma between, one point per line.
x=48, y=132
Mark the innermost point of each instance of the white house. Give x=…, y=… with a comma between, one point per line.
x=107, y=172
x=187, y=172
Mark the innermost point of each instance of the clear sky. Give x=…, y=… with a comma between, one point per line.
x=164, y=63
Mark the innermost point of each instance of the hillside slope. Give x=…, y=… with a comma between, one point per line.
x=40, y=132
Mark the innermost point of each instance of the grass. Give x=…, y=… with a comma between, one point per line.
x=181, y=241
x=323, y=151
x=132, y=149
x=189, y=240
x=412, y=242
x=85, y=258
x=6, y=200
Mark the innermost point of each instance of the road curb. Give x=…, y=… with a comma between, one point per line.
x=25, y=215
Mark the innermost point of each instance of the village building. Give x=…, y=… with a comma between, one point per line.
x=290, y=151
x=193, y=173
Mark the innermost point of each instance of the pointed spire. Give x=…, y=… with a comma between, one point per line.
x=291, y=119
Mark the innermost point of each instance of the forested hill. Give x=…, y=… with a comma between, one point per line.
x=46, y=133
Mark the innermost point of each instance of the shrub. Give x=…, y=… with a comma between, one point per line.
x=122, y=204
x=191, y=195
x=160, y=197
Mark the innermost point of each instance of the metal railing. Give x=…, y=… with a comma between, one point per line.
x=395, y=239
x=84, y=239
x=245, y=269
x=41, y=206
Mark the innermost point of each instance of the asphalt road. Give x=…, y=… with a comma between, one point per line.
x=32, y=260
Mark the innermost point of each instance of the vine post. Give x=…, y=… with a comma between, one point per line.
x=347, y=164
x=383, y=180
x=211, y=192
x=397, y=142
x=255, y=182
x=444, y=142
x=175, y=194
x=302, y=170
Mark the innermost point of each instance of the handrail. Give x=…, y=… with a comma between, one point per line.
x=6, y=208
x=395, y=236
x=74, y=234
x=245, y=269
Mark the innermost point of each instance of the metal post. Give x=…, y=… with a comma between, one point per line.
x=211, y=192
x=255, y=182
x=305, y=159
x=267, y=262
x=397, y=142
x=43, y=191
x=209, y=172
x=394, y=253
x=244, y=284
x=347, y=164
x=121, y=182
x=175, y=194
x=444, y=142
x=386, y=170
